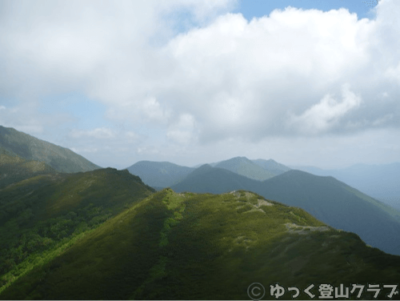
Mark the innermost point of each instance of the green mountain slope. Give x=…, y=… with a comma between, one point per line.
x=245, y=167
x=329, y=200
x=42, y=215
x=14, y=168
x=30, y=148
x=159, y=174
x=188, y=246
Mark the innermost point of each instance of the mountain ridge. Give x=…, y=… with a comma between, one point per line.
x=166, y=174
x=30, y=148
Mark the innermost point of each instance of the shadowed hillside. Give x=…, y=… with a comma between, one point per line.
x=43, y=215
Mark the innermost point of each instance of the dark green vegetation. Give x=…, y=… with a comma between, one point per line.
x=379, y=181
x=190, y=246
x=159, y=174
x=14, y=168
x=43, y=215
x=329, y=200
x=33, y=149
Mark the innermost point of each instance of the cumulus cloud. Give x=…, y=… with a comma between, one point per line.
x=245, y=79
x=326, y=114
x=221, y=77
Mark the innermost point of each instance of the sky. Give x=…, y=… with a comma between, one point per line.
x=303, y=82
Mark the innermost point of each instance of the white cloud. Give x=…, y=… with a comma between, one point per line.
x=24, y=117
x=222, y=79
x=132, y=135
x=153, y=111
x=99, y=133
x=182, y=131
x=326, y=114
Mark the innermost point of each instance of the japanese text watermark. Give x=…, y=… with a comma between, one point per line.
x=256, y=291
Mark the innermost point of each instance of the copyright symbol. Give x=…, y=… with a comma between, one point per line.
x=256, y=291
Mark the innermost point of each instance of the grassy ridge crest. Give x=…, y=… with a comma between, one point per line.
x=204, y=246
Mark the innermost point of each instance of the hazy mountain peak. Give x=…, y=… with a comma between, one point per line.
x=159, y=174
x=245, y=167
x=205, y=167
x=272, y=166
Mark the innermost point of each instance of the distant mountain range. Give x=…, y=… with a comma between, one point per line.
x=379, y=181
x=165, y=174
x=33, y=149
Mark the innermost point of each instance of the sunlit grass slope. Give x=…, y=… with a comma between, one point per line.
x=43, y=215
x=204, y=246
x=14, y=168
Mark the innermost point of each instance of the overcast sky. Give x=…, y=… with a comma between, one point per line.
x=304, y=82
